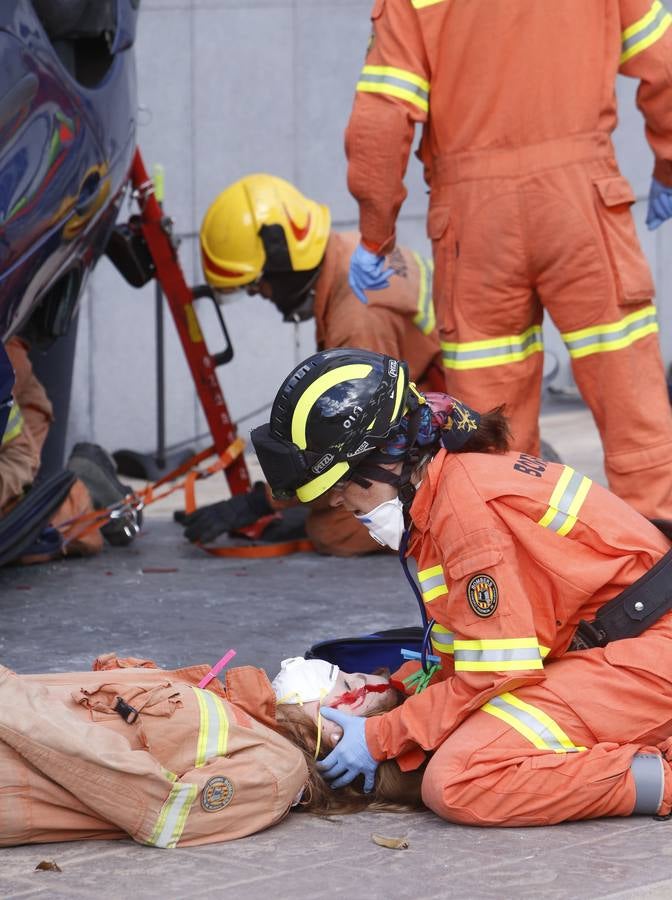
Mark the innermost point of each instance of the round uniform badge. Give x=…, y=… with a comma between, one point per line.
x=483, y=595
x=216, y=794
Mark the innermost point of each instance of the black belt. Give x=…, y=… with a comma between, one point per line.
x=632, y=611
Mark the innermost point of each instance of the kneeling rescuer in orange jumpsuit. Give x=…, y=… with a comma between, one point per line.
x=528, y=210
x=546, y=598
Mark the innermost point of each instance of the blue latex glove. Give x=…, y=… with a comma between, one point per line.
x=351, y=756
x=367, y=273
x=660, y=204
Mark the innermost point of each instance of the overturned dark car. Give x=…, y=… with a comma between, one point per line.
x=67, y=137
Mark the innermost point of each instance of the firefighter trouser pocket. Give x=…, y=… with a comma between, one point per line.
x=634, y=282
x=441, y=232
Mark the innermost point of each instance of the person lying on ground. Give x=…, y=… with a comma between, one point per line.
x=130, y=749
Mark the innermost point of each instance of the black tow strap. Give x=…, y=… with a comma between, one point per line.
x=632, y=611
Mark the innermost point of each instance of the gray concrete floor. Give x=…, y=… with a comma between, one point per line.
x=164, y=599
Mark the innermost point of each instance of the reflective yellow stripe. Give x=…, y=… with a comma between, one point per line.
x=656, y=6
x=506, y=666
x=432, y=594
x=213, y=732
x=645, y=32
x=366, y=87
x=497, y=655
x=430, y=573
x=399, y=392
x=432, y=583
x=614, y=336
x=425, y=318
x=533, y=723
x=443, y=640
x=173, y=816
x=322, y=483
x=397, y=83
x=14, y=425
x=401, y=74
x=566, y=500
x=320, y=386
x=421, y=4
x=495, y=352
x=500, y=643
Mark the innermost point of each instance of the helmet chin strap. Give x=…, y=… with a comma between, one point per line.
x=293, y=293
x=371, y=469
x=303, y=311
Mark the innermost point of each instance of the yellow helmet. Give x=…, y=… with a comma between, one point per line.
x=261, y=223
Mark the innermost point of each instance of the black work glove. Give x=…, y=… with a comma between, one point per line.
x=207, y=523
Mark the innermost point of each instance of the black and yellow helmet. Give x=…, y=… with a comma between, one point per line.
x=333, y=410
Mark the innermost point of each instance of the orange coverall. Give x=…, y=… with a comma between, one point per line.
x=528, y=211
x=20, y=451
x=398, y=321
x=512, y=552
x=197, y=766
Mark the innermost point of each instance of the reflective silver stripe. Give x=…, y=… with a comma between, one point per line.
x=645, y=31
x=432, y=583
x=442, y=639
x=566, y=500
x=497, y=655
x=612, y=337
x=394, y=82
x=495, y=352
x=649, y=776
x=173, y=816
x=531, y=722
x=425, y=317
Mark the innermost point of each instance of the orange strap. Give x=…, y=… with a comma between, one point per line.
x=82, y=525
x=262, y=551
x=88, y=522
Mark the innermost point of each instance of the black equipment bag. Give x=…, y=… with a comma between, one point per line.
x=368, y=652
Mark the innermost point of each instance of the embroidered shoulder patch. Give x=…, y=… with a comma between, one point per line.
x=483, y=595
x=216, y=794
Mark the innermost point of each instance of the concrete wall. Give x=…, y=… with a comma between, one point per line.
x=228, y=87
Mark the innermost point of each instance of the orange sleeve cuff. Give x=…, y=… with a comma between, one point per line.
x=397, y=678
x=411, y=759
x=380, y=249
x=407, y=761
x=662, y=172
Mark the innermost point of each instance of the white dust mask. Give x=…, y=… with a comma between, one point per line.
x=302, y=680
x=385, y=523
